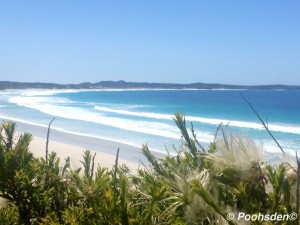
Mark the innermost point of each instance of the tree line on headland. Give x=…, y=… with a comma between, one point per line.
x=137, y=85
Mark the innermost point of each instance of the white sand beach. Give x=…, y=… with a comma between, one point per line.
x=63, y=150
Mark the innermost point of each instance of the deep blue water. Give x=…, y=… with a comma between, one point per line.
x=138, y=117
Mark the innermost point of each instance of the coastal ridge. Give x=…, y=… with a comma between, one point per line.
x=139, y=85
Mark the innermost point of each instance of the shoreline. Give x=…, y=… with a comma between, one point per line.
x=73, y=145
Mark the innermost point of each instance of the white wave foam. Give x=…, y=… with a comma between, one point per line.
x=139, y=114
x=35, y=100
x=48, y=92
x=234, y=123
x=38, y=103
x=251, y=125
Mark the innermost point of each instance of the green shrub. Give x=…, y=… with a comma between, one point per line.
x=197, y=186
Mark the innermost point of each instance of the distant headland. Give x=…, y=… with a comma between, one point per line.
x=138, y=85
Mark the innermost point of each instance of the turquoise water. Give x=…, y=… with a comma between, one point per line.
x=138, y=117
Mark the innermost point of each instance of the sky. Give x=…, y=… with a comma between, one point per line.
x=211, y=41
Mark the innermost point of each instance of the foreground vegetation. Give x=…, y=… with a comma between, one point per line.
x=197, y=186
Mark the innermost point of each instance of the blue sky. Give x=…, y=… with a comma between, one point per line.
x=211, y=41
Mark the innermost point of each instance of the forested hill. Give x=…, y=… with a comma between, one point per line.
x=135, y=85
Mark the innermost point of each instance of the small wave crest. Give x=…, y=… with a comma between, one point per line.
x=131, y=113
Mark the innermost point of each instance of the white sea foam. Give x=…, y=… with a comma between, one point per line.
x=37, y=100
x=131, y=113
x=251, y=125
x=234, y=123
x=38, y=103
x=48, y=92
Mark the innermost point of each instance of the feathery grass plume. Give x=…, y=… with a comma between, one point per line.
x=238, y=172
x=238, y=152
x=200, y=210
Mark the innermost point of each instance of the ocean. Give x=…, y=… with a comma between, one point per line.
x=138, y=117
